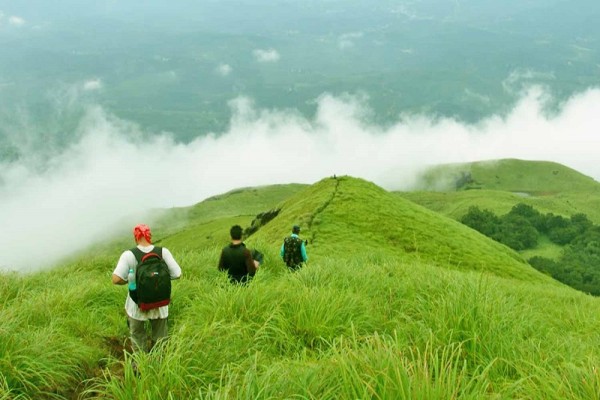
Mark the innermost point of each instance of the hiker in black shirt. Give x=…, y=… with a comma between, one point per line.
x=237, y=259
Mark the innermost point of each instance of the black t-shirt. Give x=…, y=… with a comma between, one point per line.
x=237, y=260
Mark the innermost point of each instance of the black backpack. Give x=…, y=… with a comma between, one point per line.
x=153, y=280
x=292, y=254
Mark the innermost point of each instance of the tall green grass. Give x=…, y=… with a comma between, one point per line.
x=395, y=302
x=51, y=331
x=357, y=327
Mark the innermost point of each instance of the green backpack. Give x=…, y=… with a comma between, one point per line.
x=292, y=254
x=152, y=278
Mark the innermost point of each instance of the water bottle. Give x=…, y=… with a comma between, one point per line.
x=131, y=279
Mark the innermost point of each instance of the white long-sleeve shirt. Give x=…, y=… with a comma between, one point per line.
x=127, y=261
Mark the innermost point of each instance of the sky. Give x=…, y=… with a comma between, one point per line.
x=100, y=183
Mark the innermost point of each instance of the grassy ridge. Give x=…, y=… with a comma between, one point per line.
x=239, y=202
x=349, y=216
x=499, y=185
x=205, y=224
x=396, y=301
x=511, y=175
x=546, y=186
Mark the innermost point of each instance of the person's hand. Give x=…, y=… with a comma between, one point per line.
x=256, y=264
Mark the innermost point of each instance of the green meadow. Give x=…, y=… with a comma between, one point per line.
x=498, y=185
x=398, y=301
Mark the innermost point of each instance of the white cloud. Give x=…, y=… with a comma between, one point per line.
x=264, y=56
x=524, y=78
x=468, y=93
x=92, y=84
x=83, y=194
x=168, y=76
x=405, y=11
x=347, y=40
x=224, y=69
x=16, y=21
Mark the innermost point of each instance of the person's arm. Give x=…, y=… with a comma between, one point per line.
x=303, y=252
x=174, y=268
x=250, y=266
x=119, y=275
x=257, y=257
x=282, y=251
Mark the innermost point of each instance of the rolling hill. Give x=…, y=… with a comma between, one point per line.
x=500, y=184
x=549, y=188
x=396, y=301
x=349, y=213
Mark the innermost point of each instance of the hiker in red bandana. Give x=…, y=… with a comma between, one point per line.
x=125, y=272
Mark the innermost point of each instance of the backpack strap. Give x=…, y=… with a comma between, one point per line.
x=141, y=256
x=138, y=254
x=157, y=250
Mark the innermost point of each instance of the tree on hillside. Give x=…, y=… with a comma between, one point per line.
x=519, y=229
x=545, y=265
x=563, y=235
x=552, y=221
x=581, y=223
x=516, y=232
x=535, y=218
x=483, y=221
x=560, y=230
x=579, y=266
x=513, y=229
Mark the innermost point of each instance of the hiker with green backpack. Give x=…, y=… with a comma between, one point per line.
x=148, y=271
x=293, y=250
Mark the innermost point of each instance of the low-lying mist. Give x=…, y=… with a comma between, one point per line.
x=111, y=172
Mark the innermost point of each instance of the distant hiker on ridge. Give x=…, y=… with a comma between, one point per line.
x=293, y=250
x=148, y=270
x=237, y=260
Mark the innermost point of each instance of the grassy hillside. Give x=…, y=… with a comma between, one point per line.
x=358, y=329
x=396, y=301
x=346, y=216
x=499, y=185
x=236, y=203
x=207, y=223
x=510, y=175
